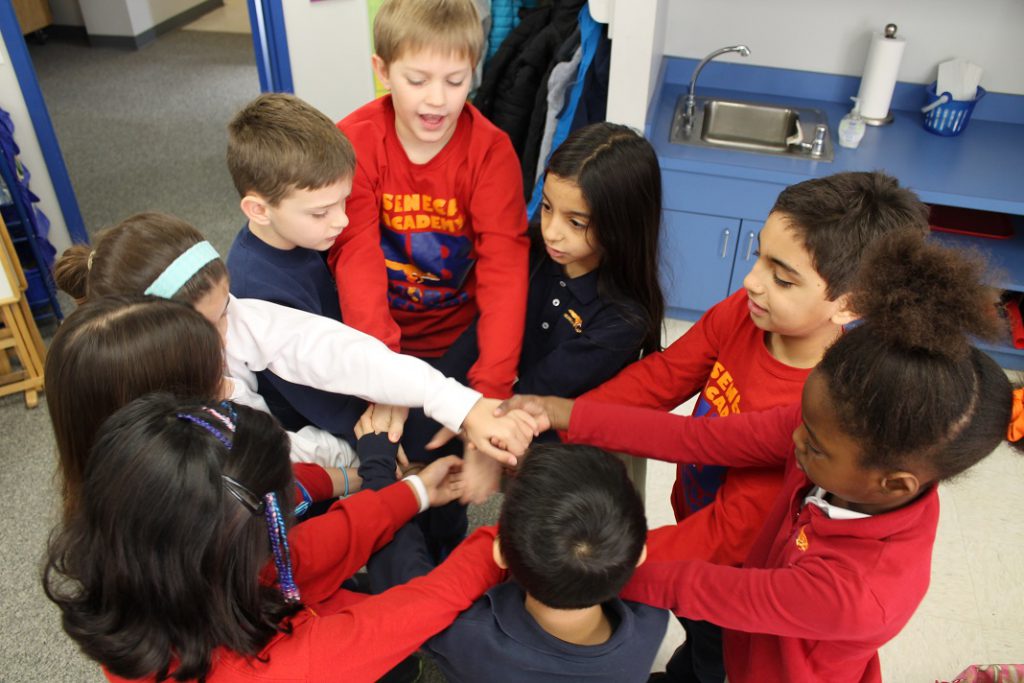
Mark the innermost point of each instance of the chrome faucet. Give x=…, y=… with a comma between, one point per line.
x=690, y=103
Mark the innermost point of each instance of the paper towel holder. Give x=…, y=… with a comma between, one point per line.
x=890, y=32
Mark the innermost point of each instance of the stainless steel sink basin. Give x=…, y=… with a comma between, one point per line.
x=752, y=127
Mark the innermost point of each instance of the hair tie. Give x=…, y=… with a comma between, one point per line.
x=217, y=434
x=182, y=269
x=278, y=532
x=1015, y=432
x=88, y=261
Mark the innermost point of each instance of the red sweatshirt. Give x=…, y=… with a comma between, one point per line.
x=430, y=246
x=817, y=597
x=337, y=639
x=724, y=357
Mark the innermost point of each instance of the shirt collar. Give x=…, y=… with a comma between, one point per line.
x=816, y=496
x=508, y=606
x=583, y=288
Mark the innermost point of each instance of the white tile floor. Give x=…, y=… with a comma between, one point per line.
x=233, y=17
x=973, y=611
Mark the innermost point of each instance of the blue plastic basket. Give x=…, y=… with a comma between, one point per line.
x=950, y=117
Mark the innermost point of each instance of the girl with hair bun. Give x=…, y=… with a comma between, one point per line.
x=163, y=256
x=115, y=349
x=181, y=563
x=898, y=404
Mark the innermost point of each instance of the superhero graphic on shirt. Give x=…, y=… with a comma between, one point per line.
x=426, y=251
x=720, y=397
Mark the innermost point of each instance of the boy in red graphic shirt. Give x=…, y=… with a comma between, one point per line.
x=437, y=231
x=753, y=351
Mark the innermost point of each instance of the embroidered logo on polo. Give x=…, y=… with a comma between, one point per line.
x=575, y=320
x=801, y=540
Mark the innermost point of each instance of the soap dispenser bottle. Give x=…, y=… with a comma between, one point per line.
x=851, y=128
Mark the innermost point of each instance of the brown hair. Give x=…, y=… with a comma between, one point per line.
x=278, y=143
x=907, y=383
x=113, y=350
x=445, y=26
x=838, y=216
x=128, y=257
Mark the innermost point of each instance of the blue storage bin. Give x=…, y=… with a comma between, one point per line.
x=950, y=117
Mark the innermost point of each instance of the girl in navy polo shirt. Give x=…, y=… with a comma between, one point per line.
x=594, y=302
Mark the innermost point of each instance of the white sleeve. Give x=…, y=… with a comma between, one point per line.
x=314, y=445
x=322, y=353
x=242, y=393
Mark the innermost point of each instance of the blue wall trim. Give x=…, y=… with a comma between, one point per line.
x=812, y=85
x=270, y=42
x=40, y=115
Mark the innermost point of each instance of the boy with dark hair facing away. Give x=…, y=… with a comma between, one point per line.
x=572, y=530
x=293, y=171
x=753, y=351
x=438, y=222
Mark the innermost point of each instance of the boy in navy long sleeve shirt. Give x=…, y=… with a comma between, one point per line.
x=572, y=530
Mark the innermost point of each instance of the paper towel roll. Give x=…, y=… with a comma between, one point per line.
x=880, y=73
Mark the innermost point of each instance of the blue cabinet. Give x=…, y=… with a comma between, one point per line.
x=746, y=252
x=704, y=259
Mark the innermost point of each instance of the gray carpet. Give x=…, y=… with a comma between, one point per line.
x=147, y=130
x=139, y=131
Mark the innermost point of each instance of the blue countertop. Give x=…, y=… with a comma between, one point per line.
x=980, y=168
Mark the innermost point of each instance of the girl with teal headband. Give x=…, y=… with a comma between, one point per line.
x=163, y=255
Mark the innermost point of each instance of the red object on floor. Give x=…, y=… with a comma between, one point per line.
x=1014, y=316
x=971, y=222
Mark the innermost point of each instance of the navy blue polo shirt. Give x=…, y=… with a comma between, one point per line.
x=574, y=339
x=497, y=640
x=297, y=278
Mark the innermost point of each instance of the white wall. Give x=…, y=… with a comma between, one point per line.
x=129, y=17
x=832, y=37
x=145, y=14
x=31, y=155
x=632, y=78
x=329, y=49
x=67, y=13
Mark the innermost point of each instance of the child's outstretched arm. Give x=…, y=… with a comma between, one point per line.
x=809, y=599
x=665, y=379
x=741, y=440
x=357, y=262
x=498, y=216
x=366, y=640
x=331, y=547
x=316, y=351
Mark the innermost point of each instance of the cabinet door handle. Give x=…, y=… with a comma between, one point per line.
x=726, y=234
x=750, y=245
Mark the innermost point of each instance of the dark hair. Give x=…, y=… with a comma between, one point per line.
x=111, y=351
x=839, y=215
x=160, y=563
x=617, y=172
x=278, y=143
x=128, y=257
x=572, y=526
x=907, y=384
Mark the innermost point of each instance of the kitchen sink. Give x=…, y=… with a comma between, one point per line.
x=753, y=127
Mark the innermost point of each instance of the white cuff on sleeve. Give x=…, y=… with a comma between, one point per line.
x=421, y=490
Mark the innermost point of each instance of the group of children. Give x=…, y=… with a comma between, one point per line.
x=385, y=263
